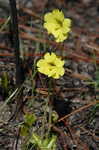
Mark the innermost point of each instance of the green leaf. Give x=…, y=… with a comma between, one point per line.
x=29, y=119
x=24, y=130
x=54, y=116
x=36, y=140
x=4, y=80
x=44, y=144
x=52, y=142
x=97, y=79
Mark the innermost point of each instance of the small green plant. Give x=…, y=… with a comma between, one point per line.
x=52, y=66
x=97, y=79
x=95, y=82
x=4, y=81
x=44, y=144
x=29, y=119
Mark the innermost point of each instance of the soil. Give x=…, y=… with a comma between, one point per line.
x=75, y=95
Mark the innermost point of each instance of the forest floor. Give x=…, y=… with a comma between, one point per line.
x=63, y=113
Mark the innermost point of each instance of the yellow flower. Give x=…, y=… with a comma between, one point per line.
x=57, y=25
x=51, y=65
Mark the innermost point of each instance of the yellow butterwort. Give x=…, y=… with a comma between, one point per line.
x=57, y=25
x=51, y=65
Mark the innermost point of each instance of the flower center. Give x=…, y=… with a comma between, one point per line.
x=59, y=22
x=52, y=64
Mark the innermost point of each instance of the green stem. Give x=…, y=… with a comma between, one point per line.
x=5, y=24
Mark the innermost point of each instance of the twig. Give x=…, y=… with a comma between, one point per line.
x=78, y=110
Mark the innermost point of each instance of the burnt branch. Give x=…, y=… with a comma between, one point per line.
x=15, y=40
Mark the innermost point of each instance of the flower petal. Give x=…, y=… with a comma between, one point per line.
x=58, y=15
x=48, y=17
x=50, y=58
x=41, y=62
x=59, y=63
x=50, y=27
x=66, y=23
